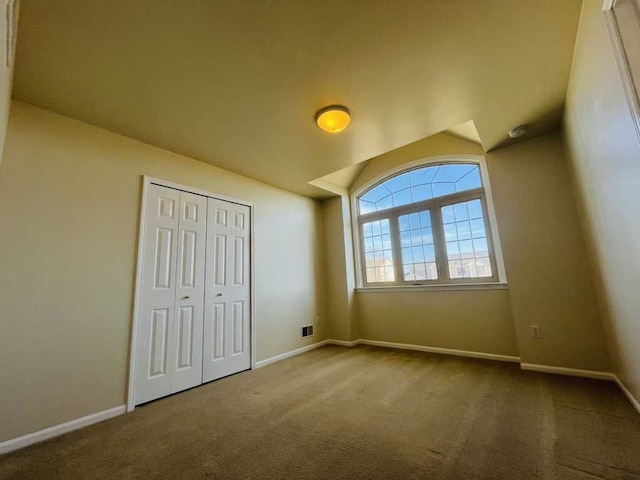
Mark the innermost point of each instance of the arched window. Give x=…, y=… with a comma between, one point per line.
x=426, y=225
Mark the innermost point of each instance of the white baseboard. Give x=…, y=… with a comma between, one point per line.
x=47, y=433
x=343, y=343
x=573, y=372
x=292, y=353
x=444, y=351
x=627, y=393
x=378, y=343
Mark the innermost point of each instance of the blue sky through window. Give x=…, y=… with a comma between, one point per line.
x=420, y=184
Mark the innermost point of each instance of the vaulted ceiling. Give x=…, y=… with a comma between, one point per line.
x=236, y=83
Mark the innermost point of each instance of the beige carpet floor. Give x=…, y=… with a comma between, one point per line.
x=363, y=412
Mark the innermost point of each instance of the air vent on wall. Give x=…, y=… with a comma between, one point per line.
x=307, y=331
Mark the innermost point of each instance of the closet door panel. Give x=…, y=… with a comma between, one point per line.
x=189, y=293
x=156, y=309
x=227, y=296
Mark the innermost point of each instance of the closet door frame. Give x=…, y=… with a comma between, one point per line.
x=146, y=182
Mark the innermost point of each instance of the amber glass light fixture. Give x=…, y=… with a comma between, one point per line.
x=334, y=118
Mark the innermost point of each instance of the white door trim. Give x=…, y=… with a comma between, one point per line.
x=623, y=66
x=146, y=182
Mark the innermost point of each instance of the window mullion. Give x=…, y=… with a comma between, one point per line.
x=395, y=247
x=439, y=243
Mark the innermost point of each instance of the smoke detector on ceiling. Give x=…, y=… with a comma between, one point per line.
x=518, y=131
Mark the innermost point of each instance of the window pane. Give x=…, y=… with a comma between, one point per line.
x=455, y=269
x=421, y=184
x=467, y=249
x=386, y=242
x=425, y=219
x=376, y=194
x=418, y=253
x=431, y=271
x=429, y=253
x=450, y=232
x=397, y=183
x=442, y=189
x=475, y=209
x=427, y=235
x=453, y=250
x=453, y=172
x=477, y=228
x=448, y=215
x=403, y=197
x=423, y=176
x=464, y=230
x=414, y=221
x=460, y=211
x=420, y=193
x=367, y=207
x=469, y=181
x=403, y=223
x=377, y=251
x=405, y=239
x=385, y=203
x=408, y=272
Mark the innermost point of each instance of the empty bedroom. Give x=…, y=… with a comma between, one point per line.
x=280, y=239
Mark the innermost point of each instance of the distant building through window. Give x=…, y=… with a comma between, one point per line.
x=426, y=225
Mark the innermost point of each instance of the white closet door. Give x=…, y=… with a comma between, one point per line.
x=227, y=294
x=155, y=331
x=189, y=292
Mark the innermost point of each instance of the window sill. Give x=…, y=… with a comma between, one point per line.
x=433, y=288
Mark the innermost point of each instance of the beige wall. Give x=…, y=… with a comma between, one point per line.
x=545, y=256
x=473, y=320
x=69, y=210
x=605, y=153
x=478, y=320
x=341, y=313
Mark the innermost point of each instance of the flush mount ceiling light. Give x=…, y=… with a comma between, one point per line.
x=518, y=131
x=334, y=118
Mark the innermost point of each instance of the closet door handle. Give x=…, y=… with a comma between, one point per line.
x=186, y=297
x=219, y=295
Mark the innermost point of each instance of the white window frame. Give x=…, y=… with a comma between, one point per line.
x=499, y=279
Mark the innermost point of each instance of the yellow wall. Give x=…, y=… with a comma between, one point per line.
x=473, y=320
x=545, y=259
x=69, y=211
x=605, y=153
x=545, y=256
x=478, y=320
x=340, y=276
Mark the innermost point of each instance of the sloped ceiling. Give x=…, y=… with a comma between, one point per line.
x=236, y=84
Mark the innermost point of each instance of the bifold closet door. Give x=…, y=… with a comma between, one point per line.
x=170, y=309
x=227, y=292
x=189, y=305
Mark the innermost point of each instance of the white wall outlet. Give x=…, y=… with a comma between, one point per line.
x=535, y=331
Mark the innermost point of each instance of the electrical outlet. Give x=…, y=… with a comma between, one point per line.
x=535, y=331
